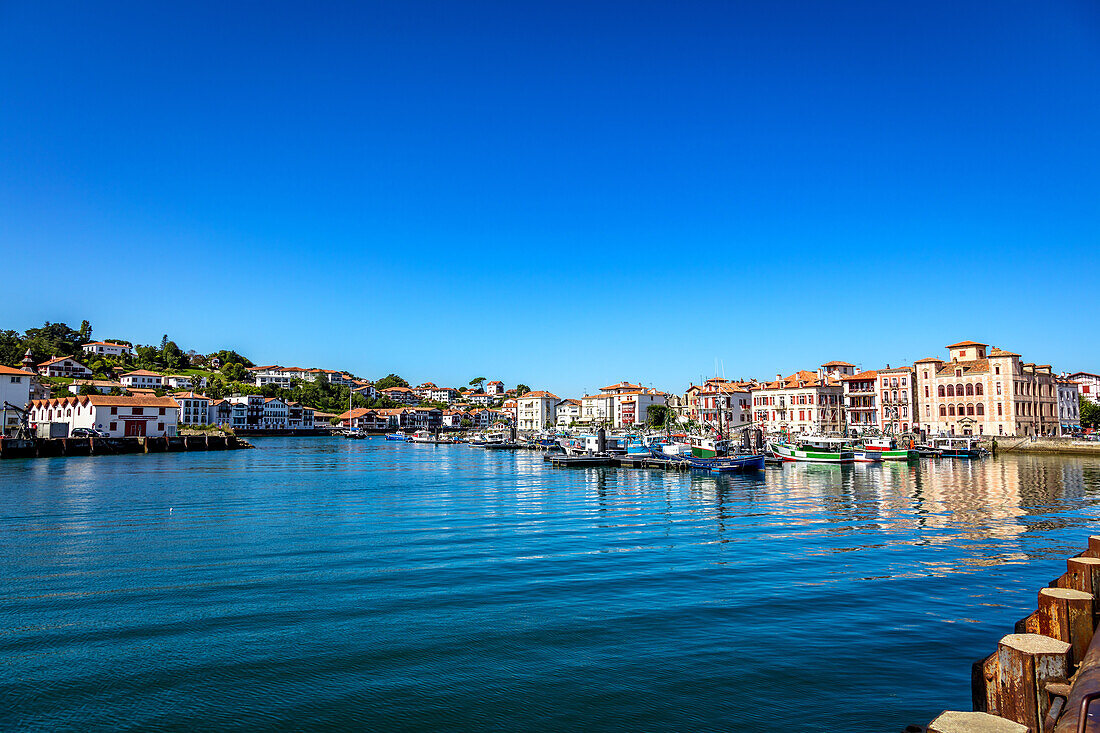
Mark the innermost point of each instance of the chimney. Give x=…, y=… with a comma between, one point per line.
x=779, y=377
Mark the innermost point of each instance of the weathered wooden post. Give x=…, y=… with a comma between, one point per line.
x=1027, y=662
x=1083, y=573
x=954, y=722
x=1066, y=615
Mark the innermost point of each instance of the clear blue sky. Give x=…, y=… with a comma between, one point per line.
x=561, y=194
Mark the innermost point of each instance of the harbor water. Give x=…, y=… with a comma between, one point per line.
x=316, y=583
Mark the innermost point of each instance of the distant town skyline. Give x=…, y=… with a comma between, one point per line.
x=564, y=195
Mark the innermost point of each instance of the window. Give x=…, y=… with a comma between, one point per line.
x=114, y=410
x=950, y=390
x=999, y=408
x=996, y=370
x=114, y=426
x=927, y=411
x=998, y=387
x=138, y=411
x=160, y=426
x=903, y=381
x=926, y=390
x=951, y=410
x=970, y=409
x=970, y=390
x=958, y=372
x=978, y=390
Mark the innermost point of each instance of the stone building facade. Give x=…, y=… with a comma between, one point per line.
x=980, y=390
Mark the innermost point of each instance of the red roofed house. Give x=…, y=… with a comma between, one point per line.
x=64, y=366
x=142, y=379
x=126, y=416
x=106, y=348
x=535, y=410
x=15, y=389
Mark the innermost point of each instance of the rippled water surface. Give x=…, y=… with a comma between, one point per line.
x=318, y=583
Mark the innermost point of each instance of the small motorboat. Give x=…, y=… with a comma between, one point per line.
x=398, y=436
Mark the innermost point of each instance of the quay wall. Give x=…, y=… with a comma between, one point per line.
x=62, y=447
x=1071, y=446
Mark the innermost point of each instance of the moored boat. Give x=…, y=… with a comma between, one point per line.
x=730, y=464
x=964, y=447
x=398, y=436
x=815, y=450
x=888, y=449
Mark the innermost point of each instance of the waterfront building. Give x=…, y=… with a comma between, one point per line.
x=1088, y=385
x=220, y=412
x=598, y=409
x=536, y=410
x=567, y=412
x=985, y=391
x=118, y=416
x=722, y=403
x=276, y=415
x=64, y=366
x=250, y=416
x=454, y=418
x=1069, y=406
x=142, y=379
x=194, y=409
x=15, y=389
x=424, y=418
x=103, y=386
x=299, y=417
x=401, y=395
x=424, y=391
x=804, y=402
x=364, y=387
x=323, y=419
x=897, y=393
x=106, y=348
x=495, y=388
x=508, y=410
x=860, y=410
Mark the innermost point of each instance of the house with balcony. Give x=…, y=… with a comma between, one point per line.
x=118, y=416
x=860, y=410
x=194, y=409
x=64, y=366
x=106, y=348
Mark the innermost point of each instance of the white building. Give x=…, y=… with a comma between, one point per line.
x=446, y=395
x=103, y=386
x=535, y=410
x=179, y=381
x=64, y=366
x=401, y=395
x=251, y=413
x=106, y=348
x=1088, y=385
x=494, y=388
x=1069, y=406
x=722, y=404
x=194, y=408
x=276, y=414
x=804, y=402
x=567, y=412
x=119, y=416
x=15, y=389
x=142, y=379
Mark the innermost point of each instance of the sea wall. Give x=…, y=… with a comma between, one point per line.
x=61, y=447
x=1048, y=445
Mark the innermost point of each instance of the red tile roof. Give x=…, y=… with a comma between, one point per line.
x=963, y=344
x=14, y=372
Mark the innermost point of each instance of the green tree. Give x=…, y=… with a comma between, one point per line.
x=11, y=348
x=390, y=380
x=85, y=331
x=522, y=389
x=477, y=382
x=1090, y=413
x=656, y=416
x=87, y=389
x=234, y=372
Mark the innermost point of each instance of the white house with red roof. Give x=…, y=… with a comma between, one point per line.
x=142, y=379
x=122, y=416
x=495, y=388
x=15, y=389
x=64, y=366
x=536, y=410
x=106, y=348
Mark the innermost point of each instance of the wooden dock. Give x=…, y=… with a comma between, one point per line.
x=61, y=447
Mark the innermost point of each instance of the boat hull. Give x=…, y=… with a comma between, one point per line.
x=790, y=453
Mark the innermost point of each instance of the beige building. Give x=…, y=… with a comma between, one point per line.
x=536, y=410
x=985, y=391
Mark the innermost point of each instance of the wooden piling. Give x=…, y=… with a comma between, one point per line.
x=1026, y=663
x=1066, y=615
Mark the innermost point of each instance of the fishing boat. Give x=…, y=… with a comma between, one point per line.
x=964, y=447
x=888, y=449
x=703, y=446
x=587, y=444
x=862, y=455
x=729, y=464
x=814, y=449
x=398, y=436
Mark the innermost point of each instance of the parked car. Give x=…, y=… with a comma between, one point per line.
x=89, y=433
